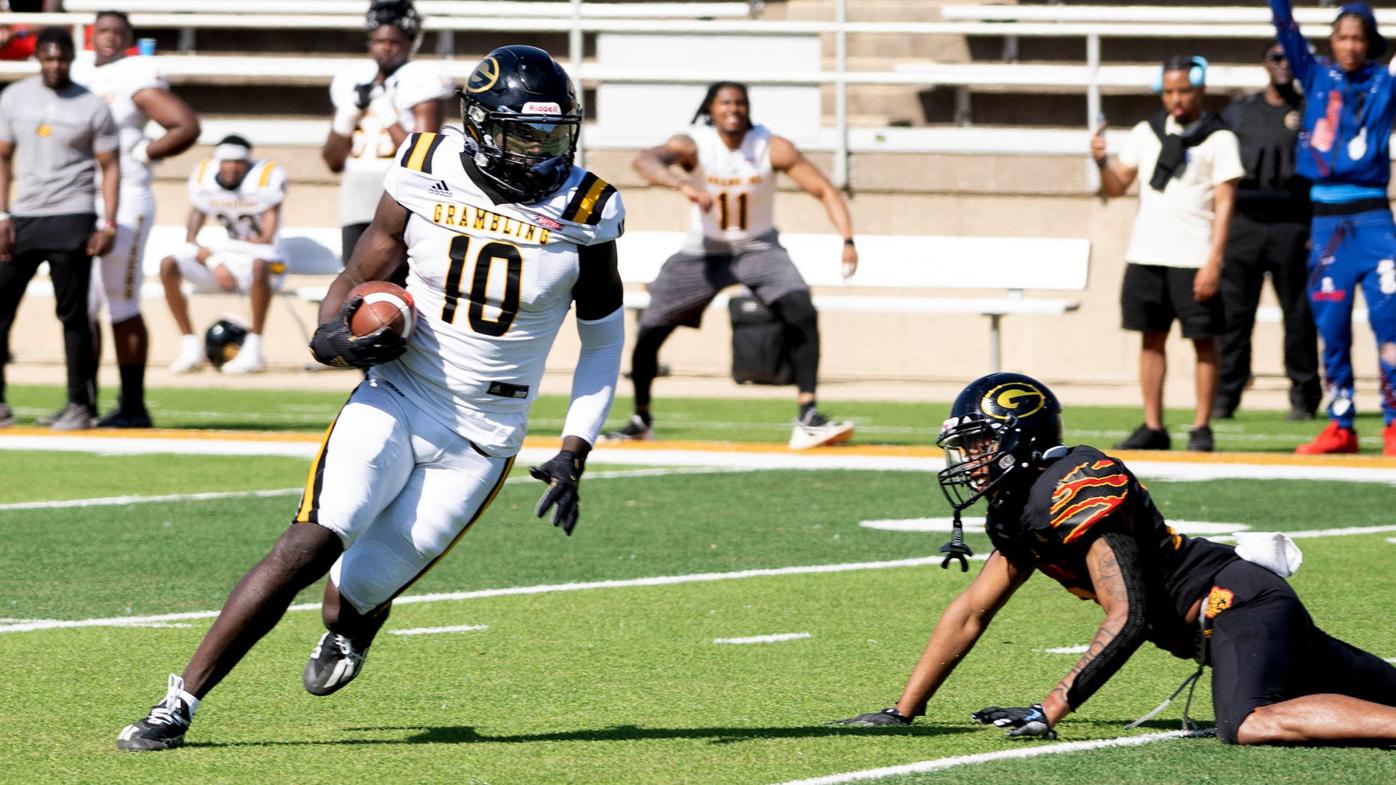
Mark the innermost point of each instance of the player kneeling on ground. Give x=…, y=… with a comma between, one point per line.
x=245, y=197
x=503, y=235
x=1083, y=519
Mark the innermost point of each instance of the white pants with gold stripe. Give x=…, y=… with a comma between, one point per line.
x=399, y=488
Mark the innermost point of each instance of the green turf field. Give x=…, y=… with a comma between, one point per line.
x=620, y=684
x=737, y=419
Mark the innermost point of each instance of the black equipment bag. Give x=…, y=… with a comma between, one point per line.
x=760, y=343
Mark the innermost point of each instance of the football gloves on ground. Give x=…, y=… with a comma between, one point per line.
x=334, y=344
x=561, y=473
x=888, y=716
x=1026, y=722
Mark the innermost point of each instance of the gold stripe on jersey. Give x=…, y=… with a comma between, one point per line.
x=586, y=205
x=419, y=154
x=309, y=509
x=203, y=169
x=498, y=486
x=464, y=216
x=267, y=169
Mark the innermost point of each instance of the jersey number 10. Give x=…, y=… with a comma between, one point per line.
x=478, y=295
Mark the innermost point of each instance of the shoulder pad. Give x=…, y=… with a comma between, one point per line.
x=418, y=150
x=588, y=202
x=1090, y=488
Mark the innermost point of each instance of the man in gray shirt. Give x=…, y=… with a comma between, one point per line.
x=54, y=135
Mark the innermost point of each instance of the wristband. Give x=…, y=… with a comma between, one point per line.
x=848, y=241
x=346, y=120
x=1100, y=163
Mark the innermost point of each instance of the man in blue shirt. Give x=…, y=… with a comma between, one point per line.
x=1343, y=149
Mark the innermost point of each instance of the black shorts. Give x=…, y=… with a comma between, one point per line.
x=1266, y=649
x=1152, y=296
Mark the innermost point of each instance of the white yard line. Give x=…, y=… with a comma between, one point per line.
x=1066, y=650
x=117, y=501
x=776, y=638
x=513, y=591
x=439, y=630
x=1029, y=750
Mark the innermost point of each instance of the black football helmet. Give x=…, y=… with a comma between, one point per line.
x=522, y=115
x=223, y=340
x=999, y=426
x=401, y=14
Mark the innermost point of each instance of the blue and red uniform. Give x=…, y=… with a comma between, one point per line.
x=1344, y=149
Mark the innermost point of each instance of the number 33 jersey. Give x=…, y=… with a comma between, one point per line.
x=491, y=283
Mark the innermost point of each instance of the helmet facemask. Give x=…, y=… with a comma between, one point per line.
x=525, y=156
x=978, y=457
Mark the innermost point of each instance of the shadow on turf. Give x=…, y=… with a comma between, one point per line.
x=465, y=734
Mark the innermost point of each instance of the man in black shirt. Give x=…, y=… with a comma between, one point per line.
x=1269, y=234
x=1081, y=518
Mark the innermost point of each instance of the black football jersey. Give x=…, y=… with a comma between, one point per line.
x=1085, y=493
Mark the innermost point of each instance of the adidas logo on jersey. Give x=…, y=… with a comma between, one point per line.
x=440, y=188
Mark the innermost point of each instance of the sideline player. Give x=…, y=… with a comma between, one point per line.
x=136, y=94
x=377, y=104
x=1081, y=518
x=504, y=235
x=726, y=168
x=245, y=197
x=1344, y=148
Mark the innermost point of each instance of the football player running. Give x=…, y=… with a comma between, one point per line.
x=244, y=195
x=504, y=235
x=136, y=94
x=378, y=102
x=1080, y=517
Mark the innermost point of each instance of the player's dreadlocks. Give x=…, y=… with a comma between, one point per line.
x=398, y=13
x=705, y=108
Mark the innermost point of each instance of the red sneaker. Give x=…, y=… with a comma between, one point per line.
x=1335, y=439
x=1388, y=436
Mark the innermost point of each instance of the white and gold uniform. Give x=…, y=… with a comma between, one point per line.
x=742, y=184
x=239, y=211
x=117, y=275
x=372, y=152
x=423, y=445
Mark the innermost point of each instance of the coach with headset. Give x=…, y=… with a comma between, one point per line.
x=1192, y=165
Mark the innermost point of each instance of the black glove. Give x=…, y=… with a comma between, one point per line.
x=333, y=343
x=888, y=716
x=363, y=95
x=561, y=473
x=1026, y=722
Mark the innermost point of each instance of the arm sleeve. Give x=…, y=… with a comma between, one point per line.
x=1118, y=651
x=594, y=381
x=1301, y=60
x=1226, y=160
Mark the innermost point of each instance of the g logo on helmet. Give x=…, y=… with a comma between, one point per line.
x=1014, y=399
x=484, y=76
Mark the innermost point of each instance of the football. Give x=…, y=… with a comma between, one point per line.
x=384, y=304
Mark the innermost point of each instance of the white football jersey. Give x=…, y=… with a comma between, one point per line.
x=117, y=83
x=491, y=284
x=742, y=184
x=373, y=148
x=240, y=209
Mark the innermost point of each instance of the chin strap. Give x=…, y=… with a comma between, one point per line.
x=956, y=550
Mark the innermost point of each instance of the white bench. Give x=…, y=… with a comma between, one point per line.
x=896, y=262
x=1136, y=14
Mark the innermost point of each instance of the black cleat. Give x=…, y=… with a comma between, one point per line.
x=1146, y=438
x=334, y=663
x=164, y=727
x=1200, y=439
x=73, y=417
x=118, y=418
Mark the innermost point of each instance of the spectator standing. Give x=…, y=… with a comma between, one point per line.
x=136, y=94
x=377, y=104
x=1175, y=254
x=17, y=42
x=245, y=197
x=54, y=136
x=1344, y=148
x=1269, y=235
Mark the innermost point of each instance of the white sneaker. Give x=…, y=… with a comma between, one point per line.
x=245, y=362
x=191, y=356
x=815, y=430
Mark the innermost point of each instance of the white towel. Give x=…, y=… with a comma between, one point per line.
x=1274, y=551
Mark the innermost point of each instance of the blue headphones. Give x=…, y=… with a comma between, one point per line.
x=1197, y=74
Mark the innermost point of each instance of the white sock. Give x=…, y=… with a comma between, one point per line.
x=190, y=346
x=252, y=344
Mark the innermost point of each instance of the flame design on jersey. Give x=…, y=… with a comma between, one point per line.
x=1080, y=504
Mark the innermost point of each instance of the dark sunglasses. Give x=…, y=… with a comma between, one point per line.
x=1275, y=57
